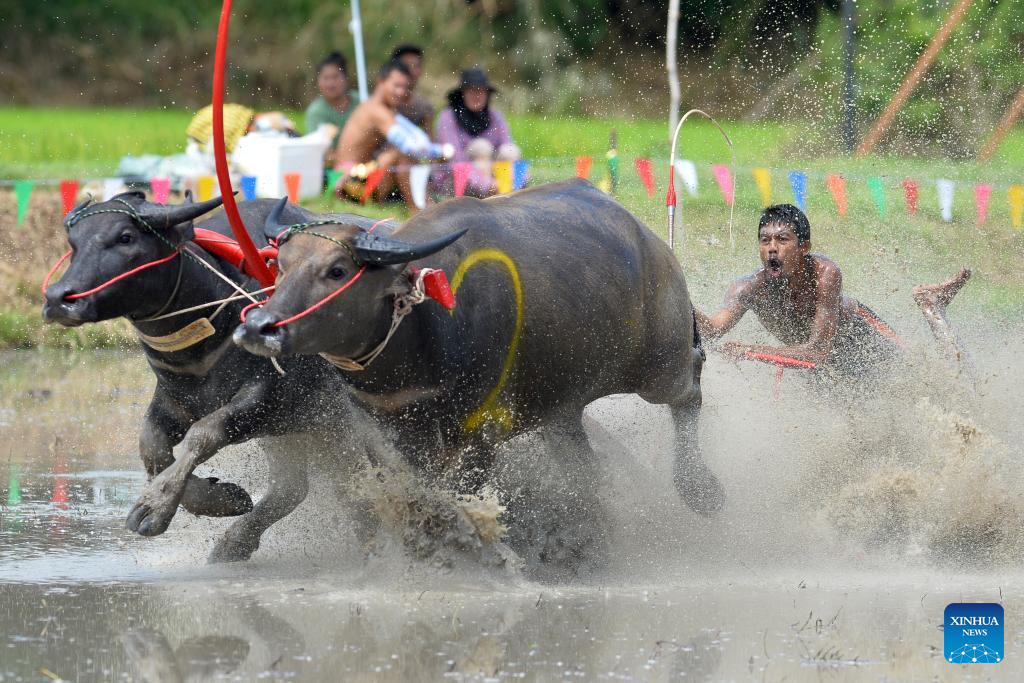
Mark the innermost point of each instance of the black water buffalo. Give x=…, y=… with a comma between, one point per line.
x=209, y=394
x=563, y=297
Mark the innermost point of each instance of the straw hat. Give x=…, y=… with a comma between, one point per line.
x=236, y=122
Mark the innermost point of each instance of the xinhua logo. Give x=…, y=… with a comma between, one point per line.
x=974, y=632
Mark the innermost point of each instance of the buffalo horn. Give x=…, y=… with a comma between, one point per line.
x=272, y=225
x=78, y=208
x=382, y=251
x=163, y=217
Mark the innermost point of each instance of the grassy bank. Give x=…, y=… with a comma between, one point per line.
x=881, y=256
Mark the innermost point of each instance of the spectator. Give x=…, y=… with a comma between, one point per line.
x=413, y=107
x=477, y=132
x=335, y=103
x=378, y=144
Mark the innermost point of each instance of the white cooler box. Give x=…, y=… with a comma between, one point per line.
x=270, y=157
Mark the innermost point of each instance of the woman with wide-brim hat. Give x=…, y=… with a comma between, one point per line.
x=477, y=131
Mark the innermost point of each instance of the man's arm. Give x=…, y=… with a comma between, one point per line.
x=725, y=318
x=827, y=313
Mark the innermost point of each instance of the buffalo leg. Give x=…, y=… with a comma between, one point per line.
x=562, y=529
x=231, y=423
x=208, y=497
x=289, y=484
x=696, y=483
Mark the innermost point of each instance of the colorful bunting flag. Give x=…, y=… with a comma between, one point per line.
x=910, y=195
x=249, y=186
x=837, y=186
x=798, y=181
x=503, y=176
x=292, y=182
x=22, y=193
x=205, y=188
x=945, y=190
x=613, y=169
x=763, y=178
x=461, y=172
x=68, y=194
x=605, y=184
x=419, y=176
x=688, y=174
x=724, y=179
x=112, y=187
x=981, y=195
x=332, y=180
x=583, y=167
x=162, y=189
x=372, y=181
x=877, y=194
x=520, y=174
x=646, y=173
x=13, y=485
x=1017, y=205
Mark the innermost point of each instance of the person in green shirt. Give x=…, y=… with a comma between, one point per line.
x=335, y=102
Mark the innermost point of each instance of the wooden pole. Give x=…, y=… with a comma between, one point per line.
x=912, y=79
x=671, y=38
x=1003, y=127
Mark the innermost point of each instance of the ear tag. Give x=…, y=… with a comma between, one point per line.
x=435, y=285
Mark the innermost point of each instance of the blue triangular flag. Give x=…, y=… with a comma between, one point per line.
x=798, y=181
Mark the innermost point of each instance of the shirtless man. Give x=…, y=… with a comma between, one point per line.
x=798, y=297
x=378, y=143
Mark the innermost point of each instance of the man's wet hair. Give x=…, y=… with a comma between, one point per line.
x=786, y=214
x=333, y=59
x=389, y=66
x=407, y=49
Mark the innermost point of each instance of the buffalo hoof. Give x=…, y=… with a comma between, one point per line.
x=232, y=549
x=700, y=489
x=156, y=507
x=213, y=498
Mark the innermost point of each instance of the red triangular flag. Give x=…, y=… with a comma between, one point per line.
x=646, y=173
x=910, y=194
x=837, y=186
x=372, y=181
x=68, y=193
x=583, y=167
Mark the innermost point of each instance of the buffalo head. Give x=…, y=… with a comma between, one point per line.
x=111, y=238
x=316, y=260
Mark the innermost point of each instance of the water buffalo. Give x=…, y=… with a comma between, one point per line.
x=563, y=297
x=209, y=393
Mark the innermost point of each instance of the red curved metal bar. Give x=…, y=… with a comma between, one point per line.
x=781, y=361
x=256, y=265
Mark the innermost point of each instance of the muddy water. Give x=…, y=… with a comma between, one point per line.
x=847, y=534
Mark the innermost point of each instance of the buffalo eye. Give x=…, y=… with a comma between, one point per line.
x=125, y=238
x=336, y=272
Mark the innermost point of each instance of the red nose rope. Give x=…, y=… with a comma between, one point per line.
x=318, y=304
x=115, y=279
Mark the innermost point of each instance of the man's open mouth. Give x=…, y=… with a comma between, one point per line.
x=774, y=266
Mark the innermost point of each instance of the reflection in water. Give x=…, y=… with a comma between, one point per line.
x=196, y=659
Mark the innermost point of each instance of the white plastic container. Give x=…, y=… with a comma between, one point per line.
x=270, y=157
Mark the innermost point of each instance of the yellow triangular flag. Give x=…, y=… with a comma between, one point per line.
x=605, y=185
x=763, y=178
x=503, y=176
x=205, y=188
x=1017, y=205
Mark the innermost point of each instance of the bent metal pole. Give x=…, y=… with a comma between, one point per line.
x=256, y=264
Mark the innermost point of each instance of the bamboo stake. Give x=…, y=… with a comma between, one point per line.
x=1003, y=127
x=912, y=79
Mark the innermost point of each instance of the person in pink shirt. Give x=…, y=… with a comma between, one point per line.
x=478, y=132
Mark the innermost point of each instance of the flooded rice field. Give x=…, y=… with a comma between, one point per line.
x=846, y=534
